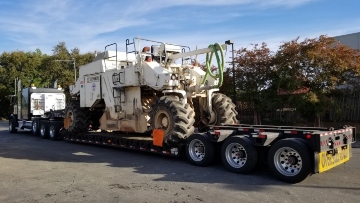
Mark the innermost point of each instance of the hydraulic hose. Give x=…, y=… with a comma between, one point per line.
x=216, y=47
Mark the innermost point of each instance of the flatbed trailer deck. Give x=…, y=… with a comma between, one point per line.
x=292, y=152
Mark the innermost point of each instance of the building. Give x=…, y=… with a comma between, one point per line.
x=351, y=40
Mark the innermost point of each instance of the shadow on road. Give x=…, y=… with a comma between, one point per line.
x=24, y=145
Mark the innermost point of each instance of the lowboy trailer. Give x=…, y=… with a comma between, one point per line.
x=293, y=153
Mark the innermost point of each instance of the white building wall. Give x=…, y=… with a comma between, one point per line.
x=351, y=40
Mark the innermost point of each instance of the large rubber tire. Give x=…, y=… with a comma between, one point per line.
x=290, y=160
x=172, y=116
x=35, y=127
x=199, y=150
x=12, y=126
x=239, y=155
x=44, y=129
x=79, y=121
x=224, y=109
x=53, y=131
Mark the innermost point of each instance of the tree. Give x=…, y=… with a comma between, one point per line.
x=38, y=68
x=253, y=72
x=316, y=65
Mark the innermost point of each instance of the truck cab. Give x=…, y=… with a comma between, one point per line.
x=32, y=105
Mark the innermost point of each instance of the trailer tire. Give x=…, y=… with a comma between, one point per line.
x=53, y=131
x=290, y=160
x=79, y=121
x=174, y=117
x=44, y=130
x=200, y=151
x=35, y=127
x=12, y=126
x=224, y=109
x=239, y=155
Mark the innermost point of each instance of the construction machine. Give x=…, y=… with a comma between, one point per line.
x=152, y=85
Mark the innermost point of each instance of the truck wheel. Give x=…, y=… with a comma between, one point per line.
x=79, y=122
x=12, y=126
x=53, y=131
x=239, y=155
x=290, y=160
x=44, y=131
x=35, y=128
x=172, y=116
x=199, y=150
x=224, y=109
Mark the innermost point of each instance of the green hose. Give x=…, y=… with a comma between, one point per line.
x=216, y=47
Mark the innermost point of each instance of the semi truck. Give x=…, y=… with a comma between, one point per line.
x=152, y=97
x=39, y=110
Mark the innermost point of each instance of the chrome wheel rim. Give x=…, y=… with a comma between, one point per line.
x=34, y=127
x=52, y=131
x=42, y=130
x=288, y=161
x=235, y=155
x=196, y=150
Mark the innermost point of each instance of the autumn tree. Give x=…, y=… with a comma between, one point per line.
x=315, y=66
x=253, y=75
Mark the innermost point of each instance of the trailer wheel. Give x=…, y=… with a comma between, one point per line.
x=290, y=160
x=12, y=126
x=44, y=130
x=224, y=109
x=79, y=121
x=239, y=155
x=35, y=127
x=199, y=150
x=53, y=131
x=174, y=117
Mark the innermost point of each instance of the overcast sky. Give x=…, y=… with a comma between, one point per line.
x=92, y=24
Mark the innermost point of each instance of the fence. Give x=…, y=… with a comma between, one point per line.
x=346, y=108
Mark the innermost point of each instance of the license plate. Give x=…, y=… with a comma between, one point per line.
x=328, y=161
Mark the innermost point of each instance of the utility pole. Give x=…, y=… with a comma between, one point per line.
x=73, y=61
x=228, y=42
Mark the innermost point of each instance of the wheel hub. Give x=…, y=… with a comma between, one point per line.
x=162, y=120
x=236, y=155
x=292, y=160
x=288, y=161
x=196, y=150
x=165, y=122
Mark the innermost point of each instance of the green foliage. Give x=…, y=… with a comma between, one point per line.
x=38, y=68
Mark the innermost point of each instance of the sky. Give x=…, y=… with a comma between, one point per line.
x=92, y=24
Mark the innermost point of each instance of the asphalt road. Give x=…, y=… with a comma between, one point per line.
x=37, y=170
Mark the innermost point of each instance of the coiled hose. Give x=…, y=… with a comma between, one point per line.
x=220, y=61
